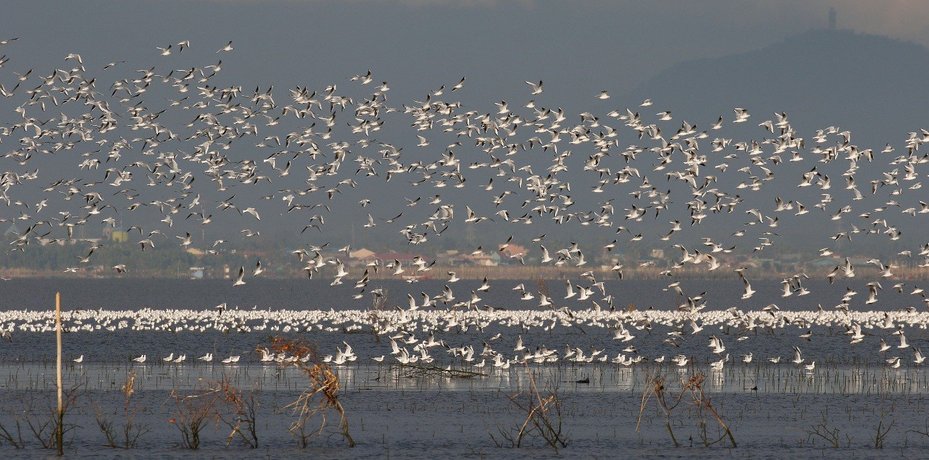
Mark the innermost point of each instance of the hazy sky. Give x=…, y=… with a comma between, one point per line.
x=416, y=44
x=577, y=48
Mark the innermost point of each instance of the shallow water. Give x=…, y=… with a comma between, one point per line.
x=422, y=418
x=422, y=411
x=594, y=378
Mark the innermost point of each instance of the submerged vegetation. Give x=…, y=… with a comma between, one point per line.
x=691, y=390
x=561, y=407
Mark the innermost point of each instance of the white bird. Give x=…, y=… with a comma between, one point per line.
x=485, y=286
x=747, y=291
x=411, y=302
x=519, y=344
x=857, y=335
x=872, y=292
x=884, y=346
x=240, y=279
x=741, y=115
x=903, y=343
x=206, y=358
x=798, y=359
x=718, y=365
x=536, y=87
x=717, y=345
x=787, y=291
x=570, y=289
x=140, y=359
x=622, y=334
x=546, y=258
x=544, y=300
x=79, y=359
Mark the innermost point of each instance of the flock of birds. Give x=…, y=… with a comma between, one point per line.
x=164, y=150
x=484, y=338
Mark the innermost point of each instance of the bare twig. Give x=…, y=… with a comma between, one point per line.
x=880, y=435
x=824, y=431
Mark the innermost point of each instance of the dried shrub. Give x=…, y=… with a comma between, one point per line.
x=543, y=418
x=881, y=433
x=321, y=397
x=46, y=429
x=191, y=415
x=15, y=437
x=240, y=415
x=692, y=387
x=127, y=435
x=825, y=432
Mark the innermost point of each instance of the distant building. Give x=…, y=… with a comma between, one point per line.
x=362, y=254
x=196, y=273
x=119, y=236
x=401, y=256
x=514, y=250
x=483, y=259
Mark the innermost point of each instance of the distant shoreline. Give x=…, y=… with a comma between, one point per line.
x=507, y=272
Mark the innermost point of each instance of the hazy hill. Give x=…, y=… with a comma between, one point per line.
x=874, y=86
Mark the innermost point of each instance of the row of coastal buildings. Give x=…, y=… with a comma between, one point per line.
x=211, y=263
x=512, y=254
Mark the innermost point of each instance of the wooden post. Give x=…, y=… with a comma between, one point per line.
x=59, y=430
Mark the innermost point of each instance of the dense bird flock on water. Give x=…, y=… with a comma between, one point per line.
x=165, y=151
